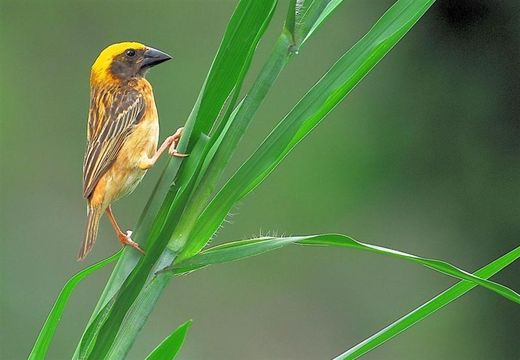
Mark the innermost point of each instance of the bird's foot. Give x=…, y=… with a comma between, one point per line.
x=172, y=150
x=125, y=239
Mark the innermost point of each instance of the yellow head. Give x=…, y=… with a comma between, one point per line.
x=123, y=61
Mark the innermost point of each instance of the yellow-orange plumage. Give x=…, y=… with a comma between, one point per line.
x=122, y=133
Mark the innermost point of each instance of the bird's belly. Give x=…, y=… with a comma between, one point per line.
x=125, y=174
x=130, y=183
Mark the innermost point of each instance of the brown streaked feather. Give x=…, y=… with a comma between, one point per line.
x=91, y=230
x=114, y=112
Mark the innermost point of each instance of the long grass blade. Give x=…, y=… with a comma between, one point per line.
x=46, y=334
x=246, y=248
x=428, y=308
x=305, y=16
x=169, y=347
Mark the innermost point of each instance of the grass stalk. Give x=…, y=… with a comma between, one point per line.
x=428, y=308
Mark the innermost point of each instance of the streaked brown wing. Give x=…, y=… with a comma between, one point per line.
x=111, y=120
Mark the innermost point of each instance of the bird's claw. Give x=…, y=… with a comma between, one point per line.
x=126, y=239
x=175, y=153
x=172, y=150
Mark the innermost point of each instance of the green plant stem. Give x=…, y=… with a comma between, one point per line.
x=278, y=59
x=428, y=308
x=137, y=315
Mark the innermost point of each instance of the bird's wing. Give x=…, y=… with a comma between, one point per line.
x=111, y=119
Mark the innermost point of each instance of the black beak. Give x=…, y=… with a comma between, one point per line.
x=153, y=57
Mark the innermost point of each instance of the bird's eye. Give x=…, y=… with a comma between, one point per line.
x=130, y=52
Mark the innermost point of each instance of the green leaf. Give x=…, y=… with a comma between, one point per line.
x=169, y=347
x=305, y=16
x=49, y=327
x=246, y=248
x=428, y=308
x=231, y=251
x=307, y=114
x=242, y=35
x=137, y=315
x=224, y=146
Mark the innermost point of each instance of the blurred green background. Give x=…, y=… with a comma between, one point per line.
x=423, y=157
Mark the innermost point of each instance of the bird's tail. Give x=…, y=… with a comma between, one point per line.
x=91, y=230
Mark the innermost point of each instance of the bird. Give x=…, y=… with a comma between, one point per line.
x=122, y=133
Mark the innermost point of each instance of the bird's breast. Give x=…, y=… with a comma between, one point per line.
x=140, y=144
